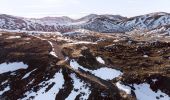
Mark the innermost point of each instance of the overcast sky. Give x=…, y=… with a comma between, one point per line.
x=79, y=8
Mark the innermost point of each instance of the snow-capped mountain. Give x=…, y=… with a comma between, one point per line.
x=147, y=22
x=93, y=22
x=44, y=24
x=104, y=24
x=94, y=16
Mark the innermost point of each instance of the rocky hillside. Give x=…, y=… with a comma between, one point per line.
x=59, y=58
x=99, y=23
x=84, y=66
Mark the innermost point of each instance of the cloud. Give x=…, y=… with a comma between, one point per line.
x=81, y=7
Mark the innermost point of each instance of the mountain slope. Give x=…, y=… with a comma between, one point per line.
x=148, y=21
x=99, y=23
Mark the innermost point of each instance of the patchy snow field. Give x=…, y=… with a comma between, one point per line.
x=106, y=73
x=13, y=37
x=5, y=90
x=143, y=92
x=7, y=67
x=58, y=82
x=103, y=73
x=53, y=54
x=81, y=88
x=123, y=87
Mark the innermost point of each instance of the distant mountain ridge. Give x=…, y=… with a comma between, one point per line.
x=99, y=23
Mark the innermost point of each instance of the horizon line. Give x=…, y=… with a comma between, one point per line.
x=83, y=15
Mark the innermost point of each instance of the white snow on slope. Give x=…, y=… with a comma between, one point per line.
x=123, y=88
x=145, y=56
x=51, y=94
x=100, y=60
x=144, y=92
x=28, y=74
x=4, y=82
x=13, y=37
x=81, y=87
x=52, y=52
x=5, y=90
x=76, y=66
x=104, y=73
x=6, y=67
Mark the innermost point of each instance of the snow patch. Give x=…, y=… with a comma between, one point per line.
x=103, y=73
x=13, y=37
x=76, y=66
x=5, y=90
x=58, y=81
x=106, y=73
x=4, y=82
x=52, y=52
x=81, y=87
x=123, y=87
x=144, y=92
x=28, y=74
x=7, y=67
x=66, y=58
x=145, y=56
x=100, y=60
x=154, y=80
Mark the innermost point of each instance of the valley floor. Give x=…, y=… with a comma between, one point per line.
x=90, y=65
